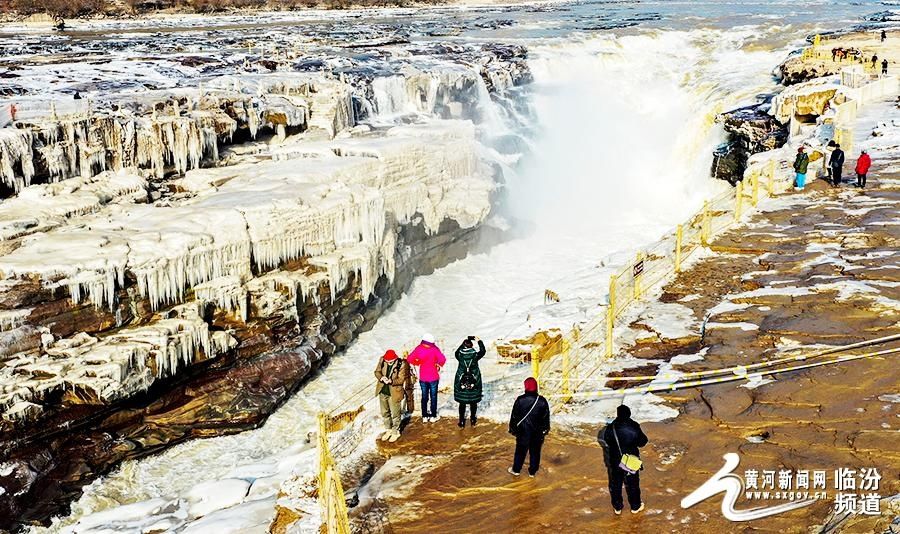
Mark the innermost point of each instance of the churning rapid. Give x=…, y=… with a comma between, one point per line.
x=619, y=132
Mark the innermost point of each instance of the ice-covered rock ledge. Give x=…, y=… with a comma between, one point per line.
x=161, y=131
x=139, y=309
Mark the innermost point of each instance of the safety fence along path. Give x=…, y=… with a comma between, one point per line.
x=565, y=363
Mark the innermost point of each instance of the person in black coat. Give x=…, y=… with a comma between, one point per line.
x=529, y=423
x=836, y=163
x=622, y=436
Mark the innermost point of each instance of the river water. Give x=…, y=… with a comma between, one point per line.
x=619, y=124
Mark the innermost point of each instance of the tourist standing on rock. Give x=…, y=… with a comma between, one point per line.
x=467, y=387
x=429, y=359
x=862, y=169
x=391, y=374
x=884, y=67
x=623, y=437
x=801, y=164
x=836, y=164
x=529, y=423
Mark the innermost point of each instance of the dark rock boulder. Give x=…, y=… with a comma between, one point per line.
x=750, y=130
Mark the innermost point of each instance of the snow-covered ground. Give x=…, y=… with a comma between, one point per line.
x=620, y=155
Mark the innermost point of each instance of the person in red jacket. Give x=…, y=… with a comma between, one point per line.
x=862, y=169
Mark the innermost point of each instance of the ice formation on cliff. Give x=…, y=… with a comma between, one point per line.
x=165, y=130
x=102, y=370
x=224, y=235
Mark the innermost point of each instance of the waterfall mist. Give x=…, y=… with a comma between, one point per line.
x=625, y=135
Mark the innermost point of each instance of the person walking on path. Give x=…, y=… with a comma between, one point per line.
x=862, y=169
x=801, y=164
x=836, y=164
x=884, y=67
x=623, y=436
x=529, y=423
x=429, y=359
x=874, y=61
x=883, y=35
x=391, y=373
x=467, y=386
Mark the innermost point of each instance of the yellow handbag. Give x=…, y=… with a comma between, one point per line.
x=630, y=463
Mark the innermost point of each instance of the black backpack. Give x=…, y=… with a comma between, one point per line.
x=467, y=381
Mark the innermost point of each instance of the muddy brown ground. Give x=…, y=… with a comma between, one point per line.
x=839, y=253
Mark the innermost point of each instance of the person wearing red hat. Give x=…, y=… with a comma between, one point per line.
x=529, y=423
x=391, y=374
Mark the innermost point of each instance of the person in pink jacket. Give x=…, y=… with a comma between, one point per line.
x=429, y=359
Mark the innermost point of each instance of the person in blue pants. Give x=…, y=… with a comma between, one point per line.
x=801, y=164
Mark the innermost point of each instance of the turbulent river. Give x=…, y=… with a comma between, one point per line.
x=617, y=133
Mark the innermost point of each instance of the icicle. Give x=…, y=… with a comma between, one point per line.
x=15, y=149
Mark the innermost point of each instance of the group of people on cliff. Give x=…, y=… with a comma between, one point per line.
x=396, y=379
x=529, y=419
x=834, y=166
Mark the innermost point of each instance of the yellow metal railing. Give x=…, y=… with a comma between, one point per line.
x=582, y=351
x=331, y=492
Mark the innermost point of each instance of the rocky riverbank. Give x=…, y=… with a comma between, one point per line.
x=175, y=263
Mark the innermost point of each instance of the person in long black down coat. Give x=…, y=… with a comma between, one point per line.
x=630, y=439
x=529, y=423
x=837, y=165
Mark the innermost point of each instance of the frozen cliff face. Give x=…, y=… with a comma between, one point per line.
x=213, y=243
x=89, y=370
x=335, y=206
x=164, y=131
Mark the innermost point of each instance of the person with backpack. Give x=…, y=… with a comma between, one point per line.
x=530, y=424
x=801, y=164
x=621, y=440
x=429, y=359
x=836, y=163
x=862, y=169
x=391, y=374
x=467, y=387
